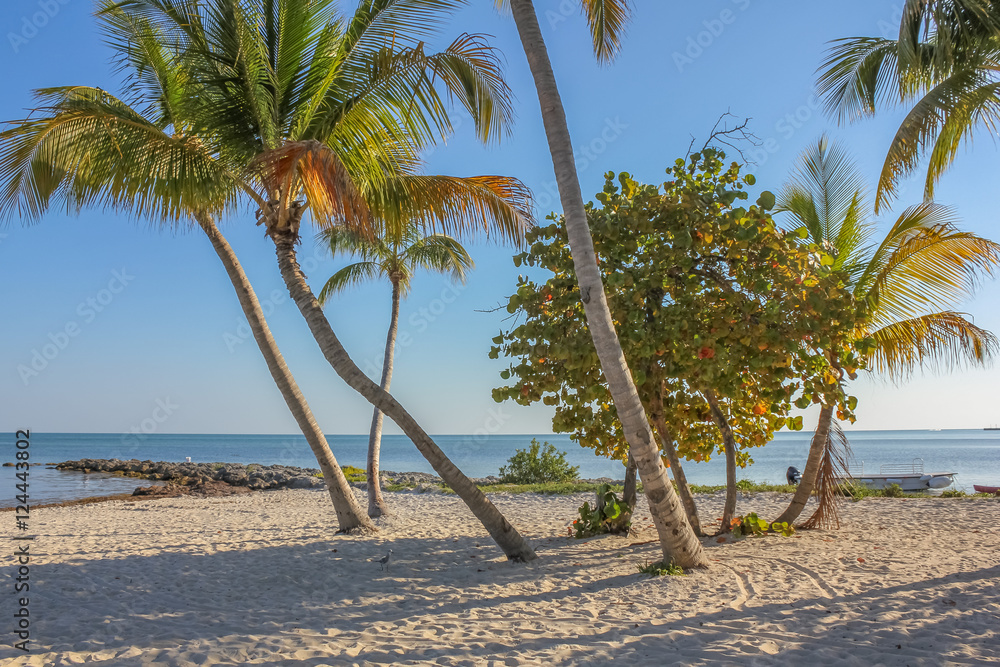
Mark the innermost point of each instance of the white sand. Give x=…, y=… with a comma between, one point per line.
x=261, y=579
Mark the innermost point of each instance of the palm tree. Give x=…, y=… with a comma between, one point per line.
x=943, y=66
x=906, y=286
x=88, y=148
x=233, y=98
x=395, y=255
x=328, y=117
x=607, y=19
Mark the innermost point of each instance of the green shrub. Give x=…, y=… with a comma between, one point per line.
x=537, y=465
x=609, y=515
x=354, y=474
x=954, y=493
x=751, y=524
x=662, y=568
x=893, y=491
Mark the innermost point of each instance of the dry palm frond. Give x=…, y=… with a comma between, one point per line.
x=836, y=454
x=312, y=170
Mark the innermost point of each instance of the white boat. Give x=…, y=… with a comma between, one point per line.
x=909, y=477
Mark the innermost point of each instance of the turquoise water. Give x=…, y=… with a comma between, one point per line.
x=973, y=454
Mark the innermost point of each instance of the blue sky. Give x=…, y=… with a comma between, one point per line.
x=155, y=321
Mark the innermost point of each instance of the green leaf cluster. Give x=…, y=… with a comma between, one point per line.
x=751, y=525
x=661, y=568
x=608, y=515
x=704, y=296
x=538, y=464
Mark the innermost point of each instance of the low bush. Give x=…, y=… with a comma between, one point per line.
x=751, y=524
x=538, y=464
x=609, y=515
x=662, y=568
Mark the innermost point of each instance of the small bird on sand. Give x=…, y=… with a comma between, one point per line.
x=384, y=560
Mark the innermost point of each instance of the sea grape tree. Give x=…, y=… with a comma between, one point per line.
x=726, y=321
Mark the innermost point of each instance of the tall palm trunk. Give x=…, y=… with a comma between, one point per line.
x=676, y=469
x=729, y=443
x=376, y=504
x=349, y=514
x=504, y=534
x=813, y=465
x=677, y=539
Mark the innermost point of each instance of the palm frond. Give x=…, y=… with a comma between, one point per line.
x=924, y=263
x=312, y=170
x=940, y=341
x=405, y=22
x=440, y=253
x=607, y=20
x=350, y=276
x=87, y=148
x=459, y=206
x=347, y=241
x=922, y=125
x=858, y=75
x=834, y=468
x=825, y=194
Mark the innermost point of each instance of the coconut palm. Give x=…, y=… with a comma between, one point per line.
x=393, y=255
x=285, y=105
x=906, y=285
x=943, y=66
x=607, y=20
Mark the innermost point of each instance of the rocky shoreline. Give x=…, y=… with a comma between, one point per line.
x=217, y=478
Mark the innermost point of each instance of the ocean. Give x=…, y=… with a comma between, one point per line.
x=973, y=454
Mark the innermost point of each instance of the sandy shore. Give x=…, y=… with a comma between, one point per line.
x=261, y=579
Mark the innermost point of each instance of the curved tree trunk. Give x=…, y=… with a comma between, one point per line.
x=506, y=536
x=813, y=464
x=680, y=479
x=376, y=504
x=729, y=442
x=677, y=539
x=349, y=514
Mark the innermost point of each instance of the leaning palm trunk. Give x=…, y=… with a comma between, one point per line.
x=729, y=443
x=813, y=465
x=376, y=504
x=504, y=534
x=349, y=514
x=833, y=471
x=677, y=539
x=676, y=469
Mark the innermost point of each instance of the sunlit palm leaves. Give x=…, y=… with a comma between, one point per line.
x=393, y=255
x=280, y=100
x=908, y=284
x=85, y=147
x=944, y=66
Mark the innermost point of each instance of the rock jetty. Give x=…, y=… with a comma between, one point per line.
x=255, y=477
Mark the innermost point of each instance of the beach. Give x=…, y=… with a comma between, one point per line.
x=262, y=578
